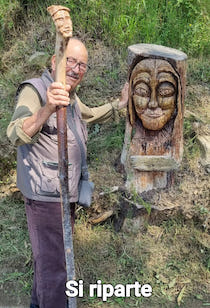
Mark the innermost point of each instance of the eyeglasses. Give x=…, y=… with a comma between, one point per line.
x=72, y=63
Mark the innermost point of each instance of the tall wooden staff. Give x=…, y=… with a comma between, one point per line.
x=63, y=23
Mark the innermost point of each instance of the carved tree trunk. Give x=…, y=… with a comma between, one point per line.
x=153, y=143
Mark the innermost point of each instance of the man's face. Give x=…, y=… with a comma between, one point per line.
x=63, y=23
x=154, y=89
x=77, y=51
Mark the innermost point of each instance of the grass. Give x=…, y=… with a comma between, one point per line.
x=198, y=70
x=180, y=24
x=15, y=249
x=169, y=257
x=191, y=149
x=100, y=142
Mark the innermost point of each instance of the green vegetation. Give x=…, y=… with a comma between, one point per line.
x=191, y=147
x=14, y=246
x=158, y=256
x=175, y=23
x=99, y=141
x=170, y=256
x=198, y=70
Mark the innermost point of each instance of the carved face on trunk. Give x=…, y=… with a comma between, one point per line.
x=154, y=91
x=63, y=23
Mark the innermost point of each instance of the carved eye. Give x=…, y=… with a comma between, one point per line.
x=166, y=89
x=142, y=89
x=60, y=19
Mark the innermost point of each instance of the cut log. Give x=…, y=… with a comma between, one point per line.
x=153, y=142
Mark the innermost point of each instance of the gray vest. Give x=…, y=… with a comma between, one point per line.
x=37, y=164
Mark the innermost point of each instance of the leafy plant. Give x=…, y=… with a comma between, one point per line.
x=174, y=23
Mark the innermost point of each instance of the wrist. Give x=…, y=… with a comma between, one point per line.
x=115, y=108
x=115, y=104
x=47, y=110
x=122, y=104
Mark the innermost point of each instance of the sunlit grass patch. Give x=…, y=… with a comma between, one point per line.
x=168, y=257
x=15, y=252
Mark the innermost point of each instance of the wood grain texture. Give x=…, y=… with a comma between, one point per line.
x=153, y=142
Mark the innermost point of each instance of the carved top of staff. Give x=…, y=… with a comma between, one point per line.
x=62, y=20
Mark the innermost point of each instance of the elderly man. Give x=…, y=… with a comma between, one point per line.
x=33, y=130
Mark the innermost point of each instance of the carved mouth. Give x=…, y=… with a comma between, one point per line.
x=153, y=114
x=67, y=30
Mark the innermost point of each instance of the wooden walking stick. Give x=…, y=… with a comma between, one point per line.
x=61, y=18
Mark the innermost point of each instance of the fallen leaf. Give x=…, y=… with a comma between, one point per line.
x=180, y=296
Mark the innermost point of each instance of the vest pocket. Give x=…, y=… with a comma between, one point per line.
x=49, y=179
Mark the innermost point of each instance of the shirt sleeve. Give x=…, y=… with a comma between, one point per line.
x=101, y=114
x=28, y=103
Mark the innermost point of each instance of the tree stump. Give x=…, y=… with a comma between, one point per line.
x=153, y=143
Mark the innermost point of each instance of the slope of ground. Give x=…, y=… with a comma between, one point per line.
x=168, y=249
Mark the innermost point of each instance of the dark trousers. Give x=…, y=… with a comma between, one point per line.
x=46, y=236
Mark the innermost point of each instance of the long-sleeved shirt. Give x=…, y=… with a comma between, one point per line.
x=29, y=103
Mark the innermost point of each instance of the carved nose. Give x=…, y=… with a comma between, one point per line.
x=153, y=104
x=153, y=101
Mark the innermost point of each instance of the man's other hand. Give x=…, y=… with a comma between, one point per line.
x=124, y=97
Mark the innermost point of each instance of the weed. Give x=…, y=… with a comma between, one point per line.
x=15, y=254
x=99, y=143
x=191, y=148
x=137, y=199
x=198, y=71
